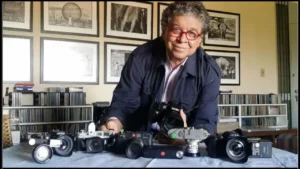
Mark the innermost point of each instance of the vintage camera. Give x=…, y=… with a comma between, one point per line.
x=163, y=151
x=236, y=147
x=49, y=143
x=166, y=115
x=93, y=141
x=132, y=143
x=192, y=136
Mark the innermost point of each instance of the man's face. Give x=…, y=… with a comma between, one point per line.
x=180, y=46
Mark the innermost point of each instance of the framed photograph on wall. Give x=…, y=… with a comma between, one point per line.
x=70, y=17
x=116, y=55
x=66, y=61
x=17, y=15
x=17, y=59
x=229, y=62
x=224, y=29
x=161, y=8
x=128, y=20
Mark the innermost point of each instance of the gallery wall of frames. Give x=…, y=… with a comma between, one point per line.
x=57, y=43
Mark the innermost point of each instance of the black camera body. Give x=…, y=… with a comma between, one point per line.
x=166, y=115
x=132, y=143
x=236, y=147
x=137, y=144
x=93, y=141
x=48, y=143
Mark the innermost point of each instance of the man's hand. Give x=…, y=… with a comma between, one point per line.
x=113, y=124
x=166, y=140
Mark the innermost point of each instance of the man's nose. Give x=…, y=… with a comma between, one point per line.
x=182, y=37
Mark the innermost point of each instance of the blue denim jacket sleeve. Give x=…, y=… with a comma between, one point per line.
x=126, y=96
x=207, y=112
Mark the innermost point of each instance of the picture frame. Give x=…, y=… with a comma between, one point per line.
x=161, y=7
x=17, y=64
x=229, y=63
x=17, y=15
x=224, y=29
x=66, y=61
x=70, y=17
x=115, y=57
x=120, y=16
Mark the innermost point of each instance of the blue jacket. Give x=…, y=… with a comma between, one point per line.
x=141, y=83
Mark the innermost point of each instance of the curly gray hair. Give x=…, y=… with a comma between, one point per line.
x=180, y=8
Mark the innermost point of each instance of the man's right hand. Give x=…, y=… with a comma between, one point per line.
x=112, y=124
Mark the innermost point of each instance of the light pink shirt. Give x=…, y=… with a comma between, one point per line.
x=170, y=81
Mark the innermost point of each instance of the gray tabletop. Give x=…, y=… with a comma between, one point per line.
x=20, y=156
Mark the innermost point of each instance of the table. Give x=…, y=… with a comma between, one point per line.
x=20, y=156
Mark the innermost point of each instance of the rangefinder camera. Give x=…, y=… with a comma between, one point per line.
x=93, y=141
x=132, y=143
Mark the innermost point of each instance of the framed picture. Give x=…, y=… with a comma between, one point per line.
x=17, y=59
x=69, y=61
x=128, y=20
x=17, y=15
x=224, y=29
x=116, y=55
x=161, y=8
x=70, y=17
x=229, y=62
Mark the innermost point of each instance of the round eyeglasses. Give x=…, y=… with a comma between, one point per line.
x=190, y=35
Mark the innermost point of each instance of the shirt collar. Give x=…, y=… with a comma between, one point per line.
x=169, y=63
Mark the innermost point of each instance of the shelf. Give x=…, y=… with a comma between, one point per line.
x=280, y=115
x=59, y=122
x=231, y=105
x=47, y=107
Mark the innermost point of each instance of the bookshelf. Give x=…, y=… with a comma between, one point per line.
x=65, y=111
x=255, y=112
x=256, y=117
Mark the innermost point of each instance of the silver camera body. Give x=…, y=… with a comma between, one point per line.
x=192, y=136
x=93, y=141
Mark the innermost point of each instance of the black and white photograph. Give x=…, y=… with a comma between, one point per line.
x=132, y=20
x=224, y=29
x=161, y=8
x=69, y=61
x=72, y=17
x=17, y=15
x=17, y=64
x=229, y=63
x=116, y=55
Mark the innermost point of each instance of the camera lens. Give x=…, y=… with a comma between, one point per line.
x=95, y=144
x=42, y=153
x=67, y=146
x=172, y=122
x=236, y=150
x=135, y=149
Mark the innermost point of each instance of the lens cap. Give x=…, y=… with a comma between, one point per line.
x=42, y=153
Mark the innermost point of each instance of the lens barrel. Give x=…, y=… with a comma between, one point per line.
x=135, y=149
